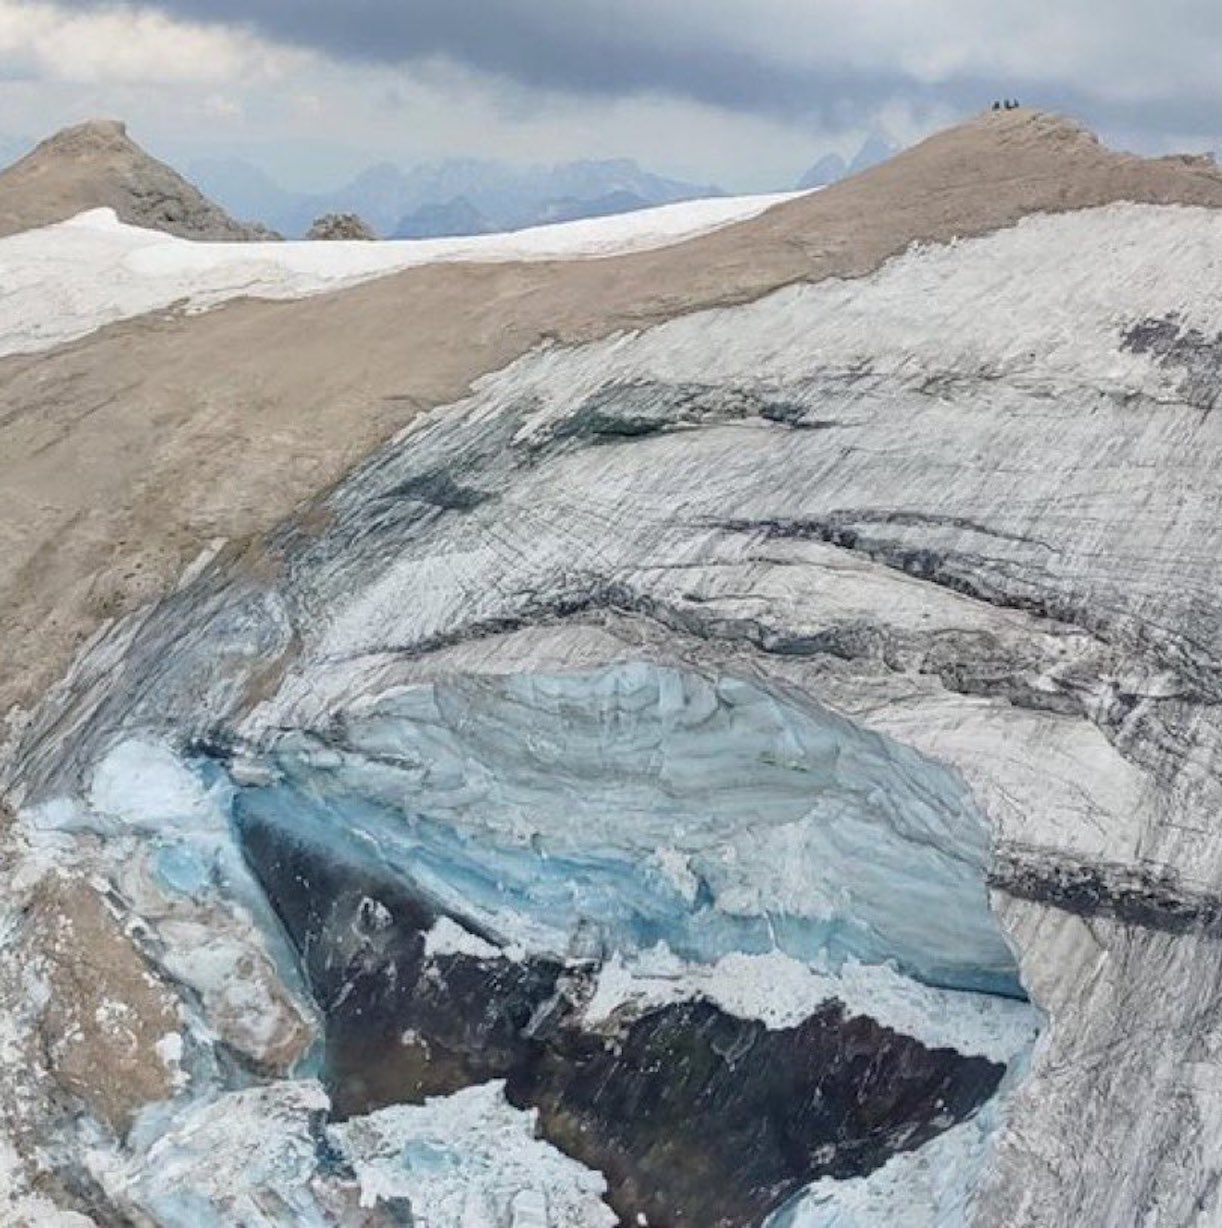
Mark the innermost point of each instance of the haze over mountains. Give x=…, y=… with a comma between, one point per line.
x=467, y=196
x=449, y=197
x=832, y=167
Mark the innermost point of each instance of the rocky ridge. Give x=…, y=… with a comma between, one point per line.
x=97, y=165
x=83, y=477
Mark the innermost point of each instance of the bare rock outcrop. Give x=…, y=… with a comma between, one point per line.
x=341, y=226
x=96, y=165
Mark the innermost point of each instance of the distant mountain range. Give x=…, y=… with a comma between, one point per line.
x=468, y=196
x=877, y=148
x=434, y=221
x=455, y=196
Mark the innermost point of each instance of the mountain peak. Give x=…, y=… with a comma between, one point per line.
x=93, y=134
x=95, y=165
x=878, y=147
x=830, y=168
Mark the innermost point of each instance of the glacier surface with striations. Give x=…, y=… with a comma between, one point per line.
x=857, y=645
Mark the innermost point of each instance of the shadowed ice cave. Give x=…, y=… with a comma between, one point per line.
x=571, y=882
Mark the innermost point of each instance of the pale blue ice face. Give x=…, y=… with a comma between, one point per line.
x=183, y=870
x=612, y=809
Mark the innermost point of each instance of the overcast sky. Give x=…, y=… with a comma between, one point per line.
x=745, y=93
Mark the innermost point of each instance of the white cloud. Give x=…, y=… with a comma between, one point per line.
x=130, y=46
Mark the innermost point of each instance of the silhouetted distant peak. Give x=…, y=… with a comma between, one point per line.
x=877, y=148
x=827, y=170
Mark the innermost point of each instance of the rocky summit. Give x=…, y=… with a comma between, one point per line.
x=341, y=226
x=97, y=165
x=722, y=734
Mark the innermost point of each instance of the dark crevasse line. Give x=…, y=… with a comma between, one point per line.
x=694, y=1116
x=1150, y=897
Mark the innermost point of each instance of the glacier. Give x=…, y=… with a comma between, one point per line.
x=828, y=678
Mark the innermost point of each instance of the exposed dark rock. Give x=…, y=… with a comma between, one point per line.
x=1148, y=898
x=341, y=226
x=699, y=1118
x=694, y=1116
x=1174, y=344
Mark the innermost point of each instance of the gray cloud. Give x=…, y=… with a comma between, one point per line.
x=585, y=47
x=787, y=59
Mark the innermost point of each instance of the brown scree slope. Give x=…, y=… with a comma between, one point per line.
x=97, y=165
x=123, y=454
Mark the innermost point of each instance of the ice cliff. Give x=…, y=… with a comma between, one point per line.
x=757, y=769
